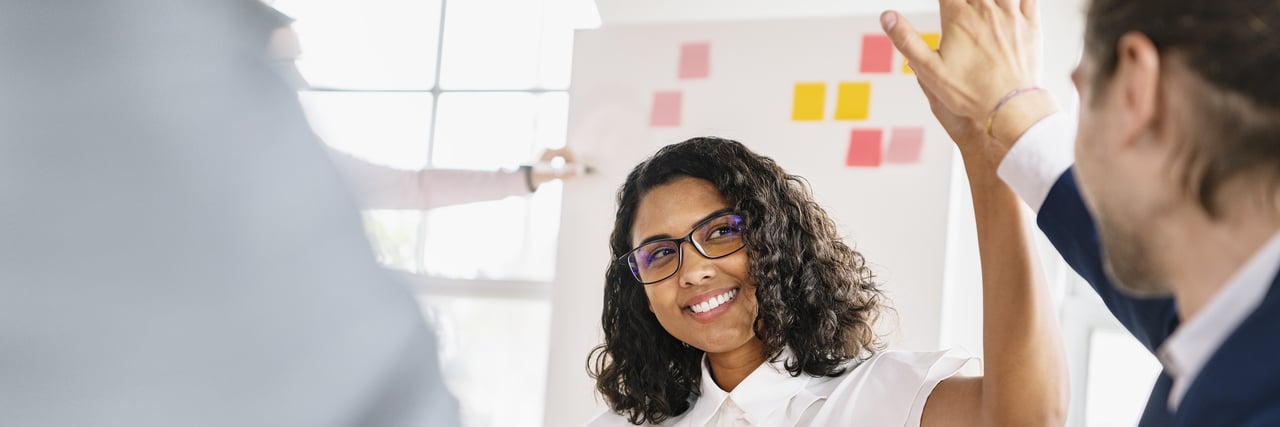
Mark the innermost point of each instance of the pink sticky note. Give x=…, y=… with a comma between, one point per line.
x=695, y=60
x=877, y=54
x=864, y=148
x=666, y=109
x=905, y=145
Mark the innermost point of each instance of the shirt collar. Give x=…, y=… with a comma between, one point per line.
x=767, y=389
x=1191, y=345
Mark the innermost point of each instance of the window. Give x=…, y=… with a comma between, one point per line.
x=1111, y=372
x=1121, y=373
x=459, y=84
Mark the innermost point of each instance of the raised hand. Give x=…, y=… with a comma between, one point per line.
x=989, y=50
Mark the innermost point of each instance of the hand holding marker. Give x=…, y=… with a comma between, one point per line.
x=556, y=164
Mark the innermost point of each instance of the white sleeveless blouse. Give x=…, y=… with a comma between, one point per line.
x=890, y=389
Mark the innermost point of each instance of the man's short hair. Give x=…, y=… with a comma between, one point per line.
x=1233, y=48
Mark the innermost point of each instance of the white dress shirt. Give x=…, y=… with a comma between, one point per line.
x=1032, y=167
x=1190, y=346
x=1039, y=158
x=890, y=389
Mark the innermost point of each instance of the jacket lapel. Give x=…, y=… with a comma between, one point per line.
x=1241, y=379
x=1157, y=412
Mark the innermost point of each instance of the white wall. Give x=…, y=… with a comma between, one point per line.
x=575, y=318
x=1063, y=22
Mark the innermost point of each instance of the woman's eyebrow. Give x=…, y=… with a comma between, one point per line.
x=698, y=223
x=712, y=215
x=653, y=238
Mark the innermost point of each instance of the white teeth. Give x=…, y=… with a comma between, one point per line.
x=714, y=302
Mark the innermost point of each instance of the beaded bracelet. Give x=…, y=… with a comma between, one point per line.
x=992, y=117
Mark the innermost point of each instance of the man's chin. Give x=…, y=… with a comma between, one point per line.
x=1132, y=283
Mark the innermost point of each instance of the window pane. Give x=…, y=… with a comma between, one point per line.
x=477, y=241
x=557, y=43
x=552, y=121
x=506, y=239
x=385, y=128
x=512, y=239
x=1121, y=372
x=367, y=44
x=484, y=130
x=491, y=44
x=494, y=356
x=539, y=258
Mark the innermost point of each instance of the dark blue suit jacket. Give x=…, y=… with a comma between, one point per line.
x=1240, y=383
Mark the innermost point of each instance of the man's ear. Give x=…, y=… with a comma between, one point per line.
x=1137, y=84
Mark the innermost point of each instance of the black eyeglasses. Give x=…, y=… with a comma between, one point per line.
x=716, y=237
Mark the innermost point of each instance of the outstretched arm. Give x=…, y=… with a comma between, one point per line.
x=1025, y=380
x=985, y=74
x=381, y=187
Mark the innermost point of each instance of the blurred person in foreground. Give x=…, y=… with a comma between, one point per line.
x=158, y=267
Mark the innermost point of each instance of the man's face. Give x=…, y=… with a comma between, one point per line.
x=1119, y=176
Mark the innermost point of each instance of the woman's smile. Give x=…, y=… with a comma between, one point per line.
x=709, y=305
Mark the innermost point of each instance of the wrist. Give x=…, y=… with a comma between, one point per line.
x=529, y=179
x=982, y=156
x=1010, y=122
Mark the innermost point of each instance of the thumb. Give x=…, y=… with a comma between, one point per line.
x=567, y=154
x=549, y=155
x=908, y=41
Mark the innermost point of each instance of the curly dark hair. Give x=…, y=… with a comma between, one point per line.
x=815, y=294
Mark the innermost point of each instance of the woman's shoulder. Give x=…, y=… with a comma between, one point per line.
x=923, y=362
x=904, y=364
x=889, y=387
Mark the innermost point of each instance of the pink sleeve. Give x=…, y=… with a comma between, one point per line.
x=381, y=187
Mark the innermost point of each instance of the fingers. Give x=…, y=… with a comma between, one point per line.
x=547, y=155
x=568, y=155
x=908, y=41
x=1031, y=10
x=551, y=154
x=1008, y=5
x=569, y=173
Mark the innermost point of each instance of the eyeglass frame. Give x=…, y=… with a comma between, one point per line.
x=625, y=259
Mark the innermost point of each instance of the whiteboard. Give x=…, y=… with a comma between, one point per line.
x=897, y=213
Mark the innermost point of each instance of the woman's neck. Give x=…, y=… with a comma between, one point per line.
x=729, y=368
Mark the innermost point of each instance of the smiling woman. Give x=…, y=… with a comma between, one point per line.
x=812, y=296
x=697, y=300
x=700, y=332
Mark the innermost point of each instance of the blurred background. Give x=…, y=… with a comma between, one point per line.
x=485, y=84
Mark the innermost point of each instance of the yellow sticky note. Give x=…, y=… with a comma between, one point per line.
x=810, y=101
x=853, y=101
x=932, y=39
